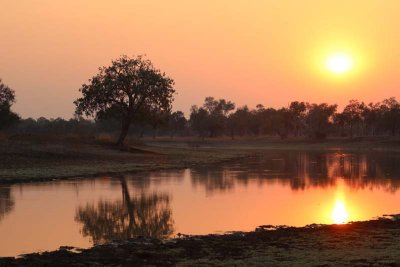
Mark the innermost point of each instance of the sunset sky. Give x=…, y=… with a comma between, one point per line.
x=269, y=52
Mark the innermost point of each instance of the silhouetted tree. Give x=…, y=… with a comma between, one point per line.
x=199, y=120
x=155, y=119
x=298, y=111
x=352, y=114
x=176, y=122
x=239, y=121
x=372, y=116
x=125, y=88
x=210, y=119
x=391, y=115
x=339, y=120
x=282, y=122
x=7, y=99
x=267, y=118
x=319, y=118
x=218, y=111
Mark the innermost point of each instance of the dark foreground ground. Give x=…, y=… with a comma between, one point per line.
x=371, y=243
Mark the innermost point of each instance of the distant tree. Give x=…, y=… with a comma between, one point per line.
x=156, y=119
x=297, y=113
x=372, y=117
x=218, y=111
x=268, y=119
x=239, y=121
x=123, y=90
x=282, y=120
x=211, y=119
x=352, y=114
x=319, y=118
x=340, y=121
x=176, y=122
x=7, y=99
x=199, y=119
x=391, y=115
x=257, y=119
x=218, y=106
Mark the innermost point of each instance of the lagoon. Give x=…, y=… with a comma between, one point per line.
x=292, y=188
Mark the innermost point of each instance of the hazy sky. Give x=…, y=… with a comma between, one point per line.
x=250, y=52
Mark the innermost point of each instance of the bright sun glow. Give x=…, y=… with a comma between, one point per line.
x=339, y=63
x=339, y=213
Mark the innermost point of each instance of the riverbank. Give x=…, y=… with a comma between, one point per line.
x=370, y=243
x=34, y=159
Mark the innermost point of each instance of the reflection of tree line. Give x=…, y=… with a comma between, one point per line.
x=302, y=170
x=6, y=201
x=147, y=215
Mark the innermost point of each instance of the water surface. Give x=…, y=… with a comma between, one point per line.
x=280, y=188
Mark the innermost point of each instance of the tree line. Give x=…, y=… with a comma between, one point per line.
x=132, y=97
x=311, y=120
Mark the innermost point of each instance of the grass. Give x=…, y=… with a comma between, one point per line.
x=37, y=161
x=44, y=158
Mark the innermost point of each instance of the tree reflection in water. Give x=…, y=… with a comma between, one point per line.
x=302, y=170
x=6, y=201
x=147, y=215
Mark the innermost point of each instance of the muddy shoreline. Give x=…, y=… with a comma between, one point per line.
x=33, y=161
x=368, y=243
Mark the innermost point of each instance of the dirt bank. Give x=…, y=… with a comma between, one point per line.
x=30, y=160
x=370, y=243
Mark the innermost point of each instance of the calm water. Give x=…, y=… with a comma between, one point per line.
x=291, y=188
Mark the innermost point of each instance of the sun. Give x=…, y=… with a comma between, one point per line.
x=339, y=63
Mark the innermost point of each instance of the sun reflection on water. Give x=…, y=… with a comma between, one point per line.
x=339, y=213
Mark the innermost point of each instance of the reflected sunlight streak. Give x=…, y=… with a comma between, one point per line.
x=339, y=213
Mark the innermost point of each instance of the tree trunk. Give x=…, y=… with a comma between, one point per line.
x=124, y=132
x=126, y=198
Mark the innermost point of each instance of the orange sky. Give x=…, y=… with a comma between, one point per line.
x=250, y=52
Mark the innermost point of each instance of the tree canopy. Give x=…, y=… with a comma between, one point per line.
x=7, y=99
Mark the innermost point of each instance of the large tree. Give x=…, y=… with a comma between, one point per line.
x=7, y=99
x=127, y=88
